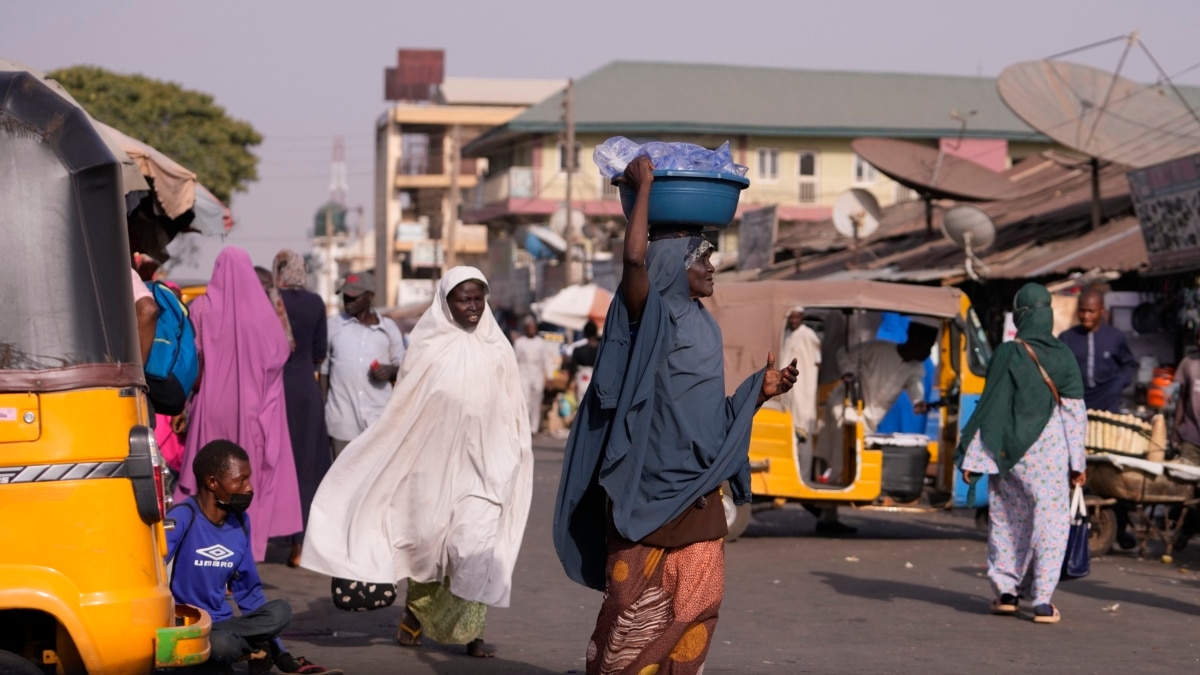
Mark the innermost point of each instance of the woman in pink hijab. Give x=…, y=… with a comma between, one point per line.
x=242, y=353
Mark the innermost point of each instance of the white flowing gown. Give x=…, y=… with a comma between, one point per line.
x=440, y=485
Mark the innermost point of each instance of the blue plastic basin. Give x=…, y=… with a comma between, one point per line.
x=689, y=198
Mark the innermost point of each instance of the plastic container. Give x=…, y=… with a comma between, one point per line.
x=1156, y=394
x=905, y=457
x=689, y=198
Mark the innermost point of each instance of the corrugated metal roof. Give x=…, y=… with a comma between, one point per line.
x=1045, y=231
x=634, y=97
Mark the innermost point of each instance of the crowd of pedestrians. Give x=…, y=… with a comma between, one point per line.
x=382, y=459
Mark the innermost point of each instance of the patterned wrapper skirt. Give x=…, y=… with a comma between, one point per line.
x=660, y=609
x=445, y=617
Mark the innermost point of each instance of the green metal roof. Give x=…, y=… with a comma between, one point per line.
x=652, y=98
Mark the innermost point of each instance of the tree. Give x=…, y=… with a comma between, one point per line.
x=184, y=124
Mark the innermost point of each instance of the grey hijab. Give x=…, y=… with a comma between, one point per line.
x=655, y=431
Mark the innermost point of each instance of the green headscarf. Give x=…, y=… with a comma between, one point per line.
x=1016, y=402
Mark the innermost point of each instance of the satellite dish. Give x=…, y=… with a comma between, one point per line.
x=856, y=214
x=931, y=172
x=969, y=227
x=558, y=222
x=1099, y=113
x=549, y=237
x=972, y=229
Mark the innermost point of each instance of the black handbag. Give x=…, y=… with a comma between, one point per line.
x=1077, y=562
x=361, y=596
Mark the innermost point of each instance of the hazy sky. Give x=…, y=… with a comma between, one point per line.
x=302, y=72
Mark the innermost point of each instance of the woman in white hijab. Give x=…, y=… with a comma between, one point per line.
x=438, y=490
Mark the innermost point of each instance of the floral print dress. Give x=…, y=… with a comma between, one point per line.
x=1029, y=506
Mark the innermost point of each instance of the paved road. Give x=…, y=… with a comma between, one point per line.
x=906, y=596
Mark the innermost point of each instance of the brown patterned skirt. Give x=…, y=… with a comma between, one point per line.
x=660, y=609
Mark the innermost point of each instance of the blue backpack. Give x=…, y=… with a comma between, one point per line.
x=173, y=366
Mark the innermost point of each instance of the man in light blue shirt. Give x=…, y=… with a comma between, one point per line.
x=365, y=350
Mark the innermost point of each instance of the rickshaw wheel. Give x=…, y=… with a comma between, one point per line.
x=1103, y=531
x=736, y=517
x=11, y=664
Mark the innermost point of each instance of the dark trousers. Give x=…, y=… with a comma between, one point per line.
x=238, y=636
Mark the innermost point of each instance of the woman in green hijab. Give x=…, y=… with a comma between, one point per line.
x=1028, y=437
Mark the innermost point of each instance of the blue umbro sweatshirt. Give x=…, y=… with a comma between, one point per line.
x=209, y=558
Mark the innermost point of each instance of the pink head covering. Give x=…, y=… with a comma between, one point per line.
x=241, y=392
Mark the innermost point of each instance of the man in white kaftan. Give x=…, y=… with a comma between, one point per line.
x=883, y=370
x=534, y=364
x=802, y=344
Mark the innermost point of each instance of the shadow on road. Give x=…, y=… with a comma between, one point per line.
x=1096, y=589
x=885, y=590
x=795, y=522
x=454, y=662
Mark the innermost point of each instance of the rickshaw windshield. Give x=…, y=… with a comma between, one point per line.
x=64, y=266
x=751, y=314
x=979, y=352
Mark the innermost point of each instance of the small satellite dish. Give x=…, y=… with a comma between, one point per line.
x=856, y=214
x=558, y=222
x=549, y=237
x=969, y=227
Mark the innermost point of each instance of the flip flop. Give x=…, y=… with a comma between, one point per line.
x=479, y=649
x=408, y=636
x=1006, y=604
x=1046, y=614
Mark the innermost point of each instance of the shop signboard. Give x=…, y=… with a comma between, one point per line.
x=1166, y=199
x=756, y=239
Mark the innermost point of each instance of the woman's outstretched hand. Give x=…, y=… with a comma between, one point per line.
x=776, y=382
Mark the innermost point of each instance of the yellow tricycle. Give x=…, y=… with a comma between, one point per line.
x=859, y=466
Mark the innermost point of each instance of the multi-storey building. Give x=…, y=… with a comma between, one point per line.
x=792, y=128
x=421, y=176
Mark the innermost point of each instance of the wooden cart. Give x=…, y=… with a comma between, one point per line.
x=1160, y=494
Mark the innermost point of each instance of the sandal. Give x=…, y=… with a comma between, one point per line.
x=1046, y=614
x=407, y=635
x=479, y=649
x=1006, y=604
x=300, y=664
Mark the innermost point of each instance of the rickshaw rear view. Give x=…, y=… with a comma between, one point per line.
x=82, y=582
x=888, y=471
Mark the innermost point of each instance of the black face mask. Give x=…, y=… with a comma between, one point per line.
x=238, y=502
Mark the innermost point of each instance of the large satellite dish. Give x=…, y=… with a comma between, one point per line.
x=856, y=214
x=973, y=230
x=931, y=172
x=1099, y=113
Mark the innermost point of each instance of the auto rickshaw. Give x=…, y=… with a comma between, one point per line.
x=83, y=586
x=845, y=313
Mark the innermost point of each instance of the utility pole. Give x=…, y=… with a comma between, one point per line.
x=450, y=233
x=330, y=266
x=568, y=104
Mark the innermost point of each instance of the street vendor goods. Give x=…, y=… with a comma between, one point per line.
x=694, y=187
x=1123, y=434
x=613, y=155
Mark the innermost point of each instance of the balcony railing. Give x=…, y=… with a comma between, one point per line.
x=518, y=182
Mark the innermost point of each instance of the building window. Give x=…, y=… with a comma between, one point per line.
x=864, y=173
x=414, y=154
x=562, y=155
x=808, y=177
x=905, y=194
x=768, y=164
